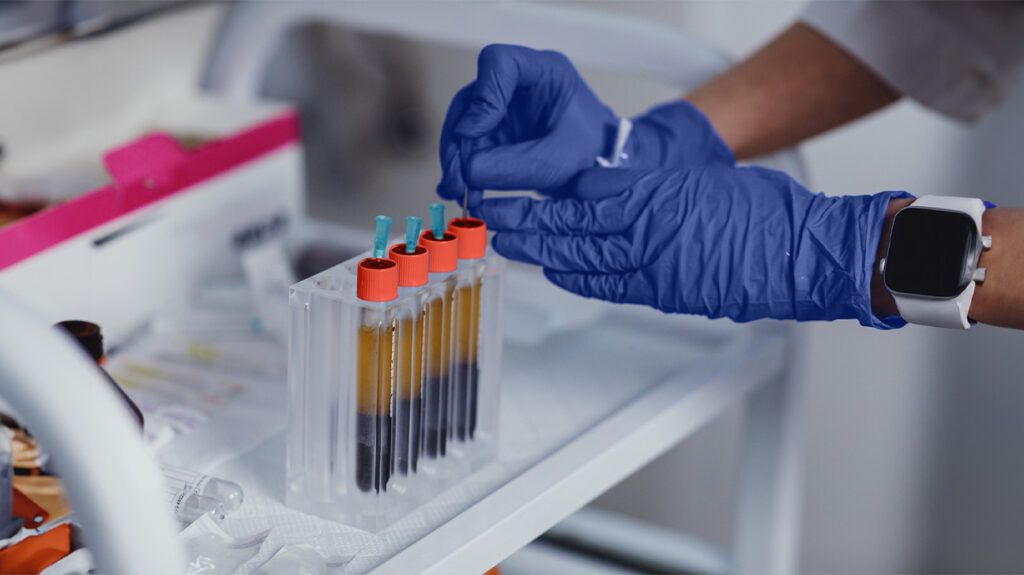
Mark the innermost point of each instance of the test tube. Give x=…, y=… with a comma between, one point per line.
x=472, y=247
x=188, y=505
x=412, y=277
x=227, y=494
x=443, y=262
x=376, y=287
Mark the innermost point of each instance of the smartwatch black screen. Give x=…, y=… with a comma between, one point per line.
x=929, y=252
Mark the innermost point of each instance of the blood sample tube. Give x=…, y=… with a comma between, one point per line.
x=412, y=278
x=472, y=236
x=376, y=288
x=444, y=260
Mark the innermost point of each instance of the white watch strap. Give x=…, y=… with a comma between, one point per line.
x=952, y=312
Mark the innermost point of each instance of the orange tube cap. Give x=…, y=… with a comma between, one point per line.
x=444, y=253
x=472, y=234
x=377, y=280
x=412, y=268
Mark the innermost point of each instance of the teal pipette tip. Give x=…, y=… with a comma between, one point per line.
x=437, y=220
x=412, y=233
x=380, y=241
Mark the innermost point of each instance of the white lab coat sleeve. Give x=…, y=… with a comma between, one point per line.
x=958, y=58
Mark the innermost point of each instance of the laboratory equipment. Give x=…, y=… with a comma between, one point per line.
x=215, y=495
x=358, y=338
x=412, y=277
x=188, y=505
x=103, y=495
x=377, y=285
x=35, y=551
x=473, y=338
x=443, y=261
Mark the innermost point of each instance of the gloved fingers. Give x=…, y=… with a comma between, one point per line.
x=474, y=198
x=628, y=287
x=522, y=166
x=453, y=182
x=560, y=217
x=600, y=183
x=501, y=69
x=451, y=185
x=529, y=165
x=592, y=254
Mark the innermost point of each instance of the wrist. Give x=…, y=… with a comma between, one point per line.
x=996, y=299
x=882, y=303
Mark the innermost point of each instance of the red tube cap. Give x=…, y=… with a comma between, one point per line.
x=377, y=280
x=472, y=234
x=444, y=253
x=412, y=268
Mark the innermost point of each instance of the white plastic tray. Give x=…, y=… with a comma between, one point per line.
x=582, y=408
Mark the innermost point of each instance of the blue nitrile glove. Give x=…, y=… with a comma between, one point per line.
x=719, y=241
x=529, y=121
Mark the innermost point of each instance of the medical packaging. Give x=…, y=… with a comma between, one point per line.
x=393, y=377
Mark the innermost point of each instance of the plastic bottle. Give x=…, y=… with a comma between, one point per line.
x=89, y=336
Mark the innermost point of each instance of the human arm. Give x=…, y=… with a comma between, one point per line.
x=797, y=86
x=847, y=59
x=742, y=243
x=803, y=84
x=764, y=104
x=999, y=300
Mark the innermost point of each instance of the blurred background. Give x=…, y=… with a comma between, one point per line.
x=911, y=457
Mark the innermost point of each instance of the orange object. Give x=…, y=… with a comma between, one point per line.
x=46, y=491
x=496, y=570
x=472, y=234
x=377, y=280
x=412, y=268
x=33, y=554
x=444, y=253
x=31, y=515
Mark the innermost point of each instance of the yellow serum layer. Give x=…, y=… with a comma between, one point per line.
x=440, y=334
x=468, y=302
x=374, y=366
x=410, y=345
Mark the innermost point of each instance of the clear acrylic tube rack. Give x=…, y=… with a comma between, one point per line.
x=391, y=402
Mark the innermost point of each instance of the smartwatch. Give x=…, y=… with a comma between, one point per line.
x=932, y=263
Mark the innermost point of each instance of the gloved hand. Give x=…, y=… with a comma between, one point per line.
x=529, y=121
x=718, y=241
